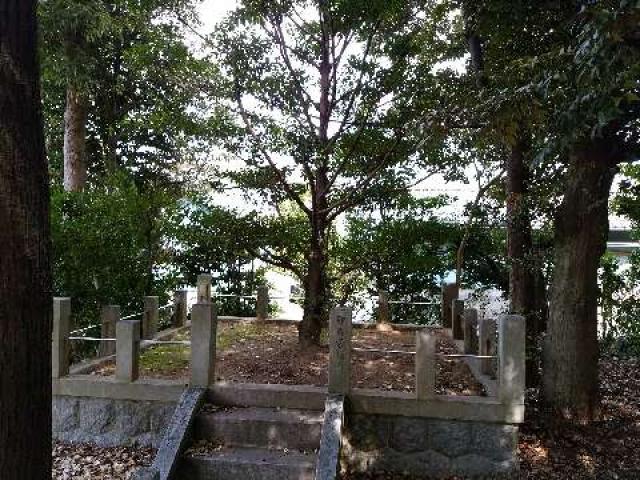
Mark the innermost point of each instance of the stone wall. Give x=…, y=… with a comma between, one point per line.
x=426, y=446
x=109, y=422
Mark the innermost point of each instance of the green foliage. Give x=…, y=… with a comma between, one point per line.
x=143, y=84
x=209, y=239
x=109, y=246
x=620, y=304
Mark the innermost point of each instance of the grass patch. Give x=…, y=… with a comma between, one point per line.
x=167, y=359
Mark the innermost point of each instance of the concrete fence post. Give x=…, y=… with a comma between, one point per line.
x=262, y=303
x=109, y=317
x=487, y=345
x=204, y=288
x=457, y=307
x=384, y=309
x=340, y=325
x=203, y=344
x=425, y=365
x=150, y=317
x=180, y=308
x=127, y=350
x=511, y=359
x=60, y=348
x=470, y=330
x=449, y=294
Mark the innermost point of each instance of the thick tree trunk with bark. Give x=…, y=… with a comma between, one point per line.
x=75, y=140
x=316, y=292
x=570, y=381
x=519, y=253
x=316, y=305
x=25, y=282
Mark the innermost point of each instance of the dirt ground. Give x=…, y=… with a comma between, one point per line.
x=87, y=462
x=252, y=353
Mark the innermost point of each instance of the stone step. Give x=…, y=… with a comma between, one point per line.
x=261, y=428
x=248, y=464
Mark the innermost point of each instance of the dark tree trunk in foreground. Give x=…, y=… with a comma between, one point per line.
x=519, y=254
x=25, y=283
x=75, y=140
x=570, y=381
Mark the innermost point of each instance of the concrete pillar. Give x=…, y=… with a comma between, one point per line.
x=449, y=294
x=203, y=344
x=262, y=303
x=487, y=345
x=150, y=317
x=180, y=308
x=511, y=359
x=60, y=340
x=457, y=307
x=127, y=350
x=384, y=309
x=340, y=350
x=470, y=330
x=425, y=365
x=204, y=288
x=109, y=317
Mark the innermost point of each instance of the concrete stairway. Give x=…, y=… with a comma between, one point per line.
x=253, y=443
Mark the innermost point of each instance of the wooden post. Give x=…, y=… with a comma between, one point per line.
x=262, y=303
x=203, y=344
x=384, y=310
x=340, y=350
x=470, y=330
x=511, y=359
x=109, y=317
x=180, y=308
x=150, y=317
x=425, y=365
x=457, y=307
x=60, y=340
x=204, y=288
x=127, y=350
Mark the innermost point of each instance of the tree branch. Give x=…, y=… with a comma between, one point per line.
x=249, y=127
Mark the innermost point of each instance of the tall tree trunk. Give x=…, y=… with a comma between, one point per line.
x=570, y=381
x=25, y=281
x=315, y=298
x=316, y=301
x=519, y=253
x=75, y=140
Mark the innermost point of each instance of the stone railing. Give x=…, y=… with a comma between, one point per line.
x=494, y=350
x=483, y=344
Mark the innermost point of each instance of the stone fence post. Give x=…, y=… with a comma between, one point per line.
x=127, y=350
x=511, y=359
x=109, y=317
x=457, y=307
x=470, y=330
x=60, y=340
x=449, y=294
x=203, y=344
x=204, y=288
x=384, y=309
x=340, y=325
x=487, y=346
x=180, y=308
x=262, y=303
x=425, y=365
x=150, y=317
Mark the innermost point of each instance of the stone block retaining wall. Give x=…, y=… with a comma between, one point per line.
x=110, y=422
x=427, y=446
